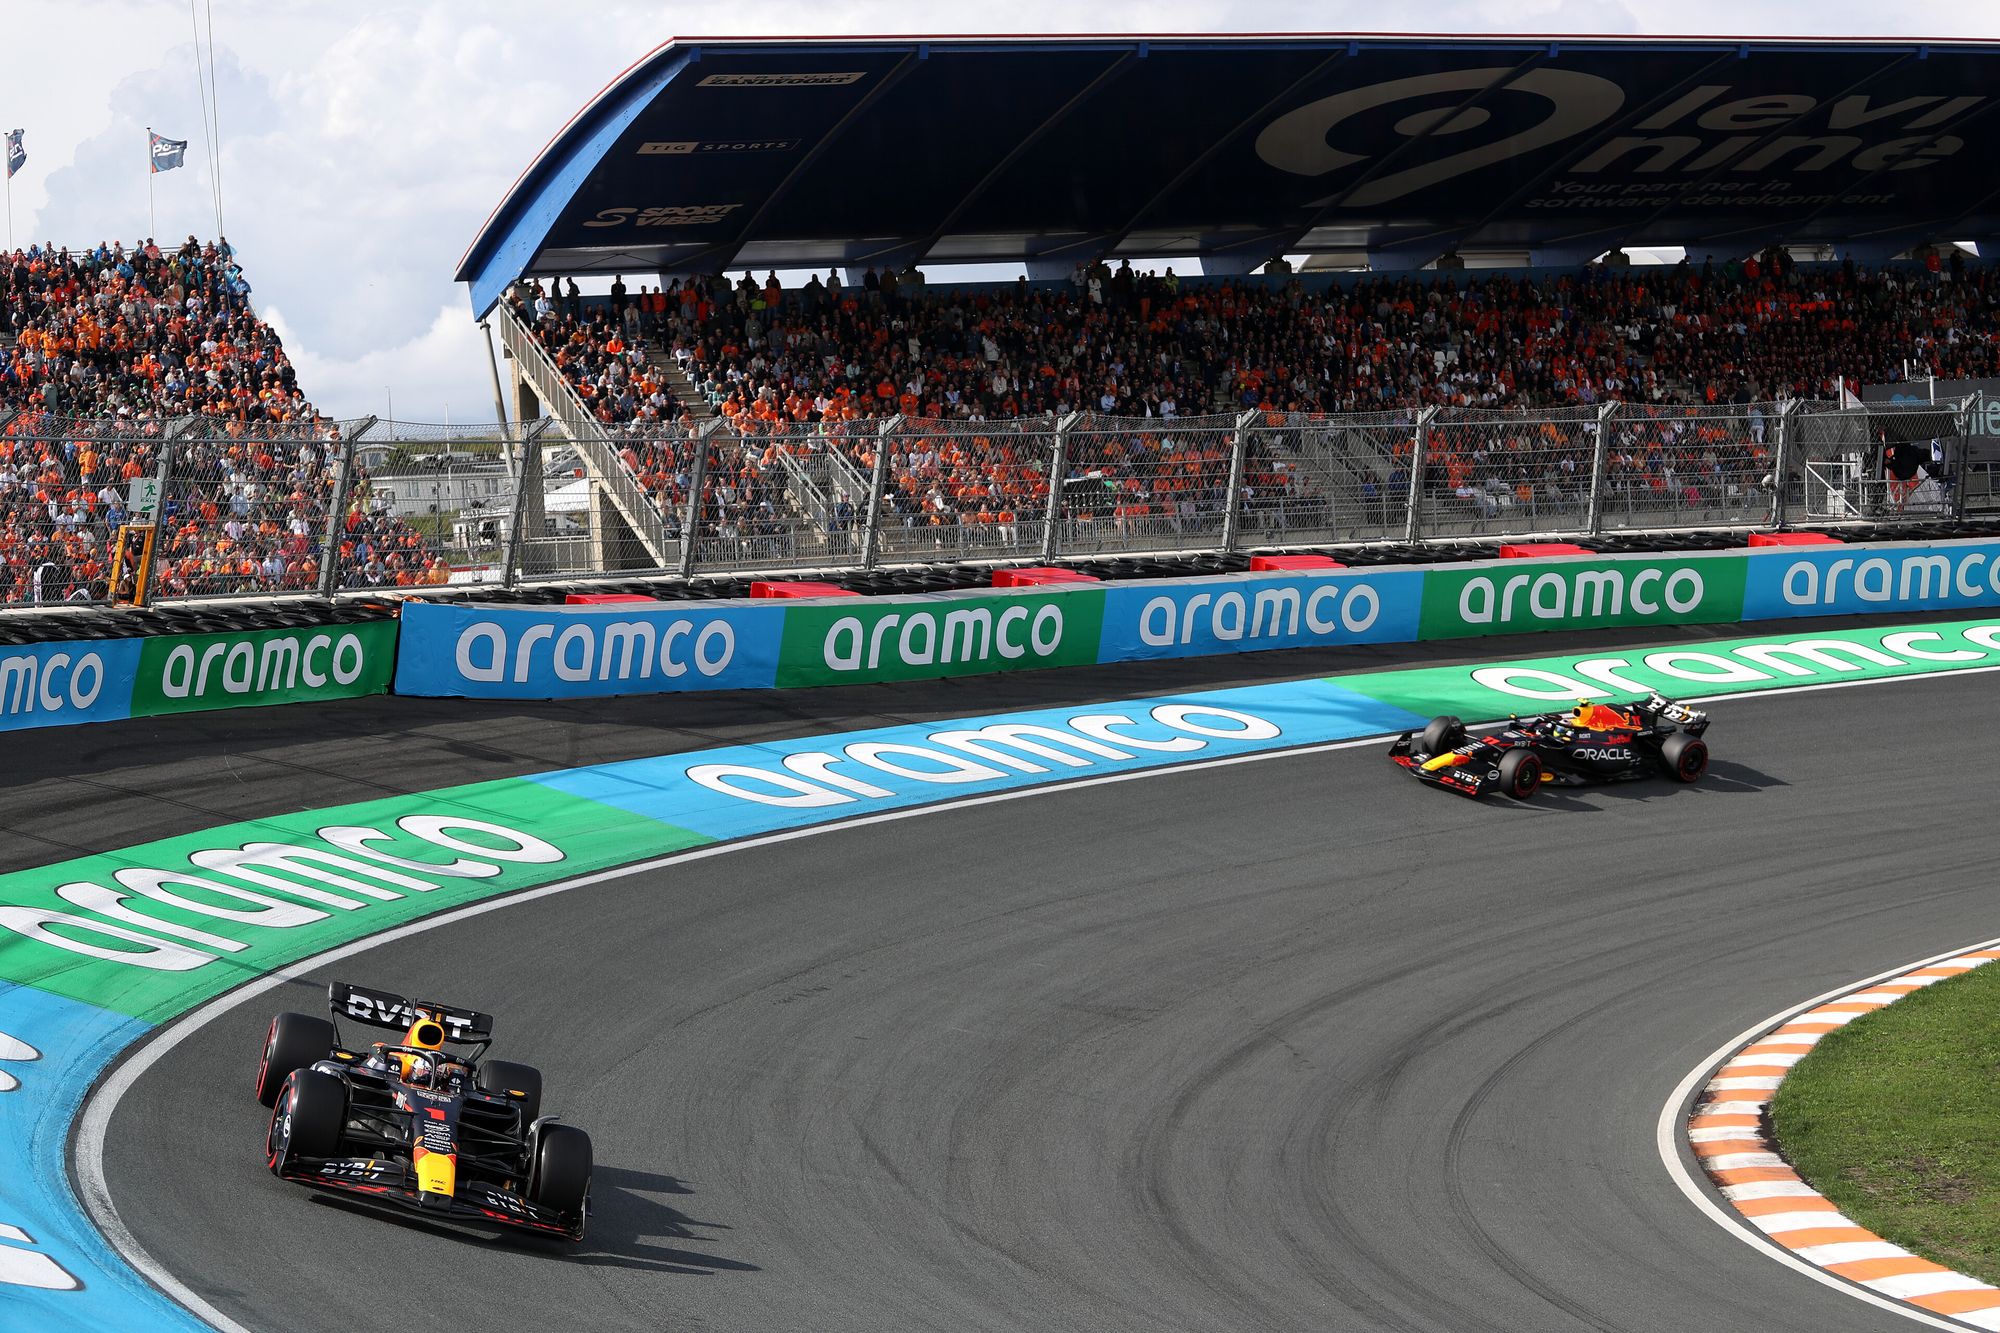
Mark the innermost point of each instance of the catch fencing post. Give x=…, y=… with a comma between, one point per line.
x=1232, y=503
x=1594, y=524
x=697, y=476
x=1419, y=451
x=527, y=472
x=142, y=592
x=878, y=484
x=336, y=510
x=1958, y=454
x=1051, y=542
x=1781, y=461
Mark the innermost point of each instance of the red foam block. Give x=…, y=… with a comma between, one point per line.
x=801, y=588
x=597, y=598
x=1261, y=563
x=1528, y=550
x=1038, y=574
x=1794, y=539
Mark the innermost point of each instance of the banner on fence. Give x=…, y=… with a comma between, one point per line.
x=54, y=684
x=1252, y=613
x=184, y=673
x=1851, y=580
x=1506, y=597
x=534, y=652
x=947, y=634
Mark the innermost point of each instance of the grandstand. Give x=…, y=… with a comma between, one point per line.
x=1099, y=405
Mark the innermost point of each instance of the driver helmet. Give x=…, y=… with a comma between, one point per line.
x=426, y=1038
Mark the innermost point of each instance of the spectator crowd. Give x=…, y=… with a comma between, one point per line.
x=1688, y=349
x=110, y=355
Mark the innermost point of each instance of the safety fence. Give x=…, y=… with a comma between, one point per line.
x=369, y=505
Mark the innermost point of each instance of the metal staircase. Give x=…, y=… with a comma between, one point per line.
x=636, y=509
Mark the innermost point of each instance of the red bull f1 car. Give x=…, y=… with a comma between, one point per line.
x=423, y=1123
x=1587, y=744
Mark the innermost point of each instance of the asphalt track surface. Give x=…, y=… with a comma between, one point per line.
x=1290, y=1044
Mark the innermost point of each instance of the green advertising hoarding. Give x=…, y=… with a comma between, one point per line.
x=1572, y=593
x=857, y=642
x=185, y=673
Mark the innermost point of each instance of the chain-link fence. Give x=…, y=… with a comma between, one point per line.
x=1316, y=478
x=1154, y=484
x=330, y=506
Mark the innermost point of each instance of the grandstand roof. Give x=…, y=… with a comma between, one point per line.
x=714, y=154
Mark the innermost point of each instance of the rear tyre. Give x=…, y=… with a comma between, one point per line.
x=519, y=1083
x=559, y=1177
x=295, y=1041
x=1684, y=757
x=1520, y=774
x=1445, y=732
x=311, y=1112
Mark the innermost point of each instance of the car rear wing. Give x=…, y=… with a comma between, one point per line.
x=380, y=1009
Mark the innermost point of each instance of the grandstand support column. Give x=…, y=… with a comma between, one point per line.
x=1781, y=462
x=1594, y=524
x=1052, y=523
x=530, y=512
x=1419, y=454
x=878, y=484
x=697, y=478
x=336, y=509
x=493, y=365
x=1232, y=496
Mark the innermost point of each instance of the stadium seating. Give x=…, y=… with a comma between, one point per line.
x=1686, y=346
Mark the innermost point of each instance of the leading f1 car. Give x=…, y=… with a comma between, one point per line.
x=424, y=1123
x=1589, y=743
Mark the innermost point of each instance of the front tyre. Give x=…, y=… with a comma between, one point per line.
x=559, y=1176
x=1444, y=732
x=295, y=1041
x=1684, y=757
x=1520, y=774
x=311, y=1112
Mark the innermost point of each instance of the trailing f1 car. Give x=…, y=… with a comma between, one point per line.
x=1589, y=743
x=416, y=1123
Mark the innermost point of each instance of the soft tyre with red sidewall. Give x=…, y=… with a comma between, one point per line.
x=1684, y=757
x=1520, y=774
x=308, y=1119
x=295, y=1041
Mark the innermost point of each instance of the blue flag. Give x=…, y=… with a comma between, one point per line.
x=167, y=153
x=17, y=156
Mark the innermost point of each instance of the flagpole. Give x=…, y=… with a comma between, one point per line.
x=152, y=224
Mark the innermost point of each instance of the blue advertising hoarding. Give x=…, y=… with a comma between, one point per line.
x=1788, y=582
x=55, y=684
x=532, y=652
x=1256, y=612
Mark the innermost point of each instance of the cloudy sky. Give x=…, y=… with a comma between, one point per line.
x=364, y=142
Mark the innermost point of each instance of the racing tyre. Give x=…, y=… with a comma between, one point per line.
x=1445, y=732
x=309, y=1116
x=523, y=1083
x=1685, y=757
x=295, y=1041
x=559, y=1177
x=1520, y=774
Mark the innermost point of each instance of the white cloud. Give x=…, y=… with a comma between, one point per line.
x=364, y=143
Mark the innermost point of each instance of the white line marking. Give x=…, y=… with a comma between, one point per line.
x=87, y=1148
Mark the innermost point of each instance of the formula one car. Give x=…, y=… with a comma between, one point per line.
x=1589, y=743
x=417, y=1124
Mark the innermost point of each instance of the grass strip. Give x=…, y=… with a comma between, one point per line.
x=1896, y=1118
